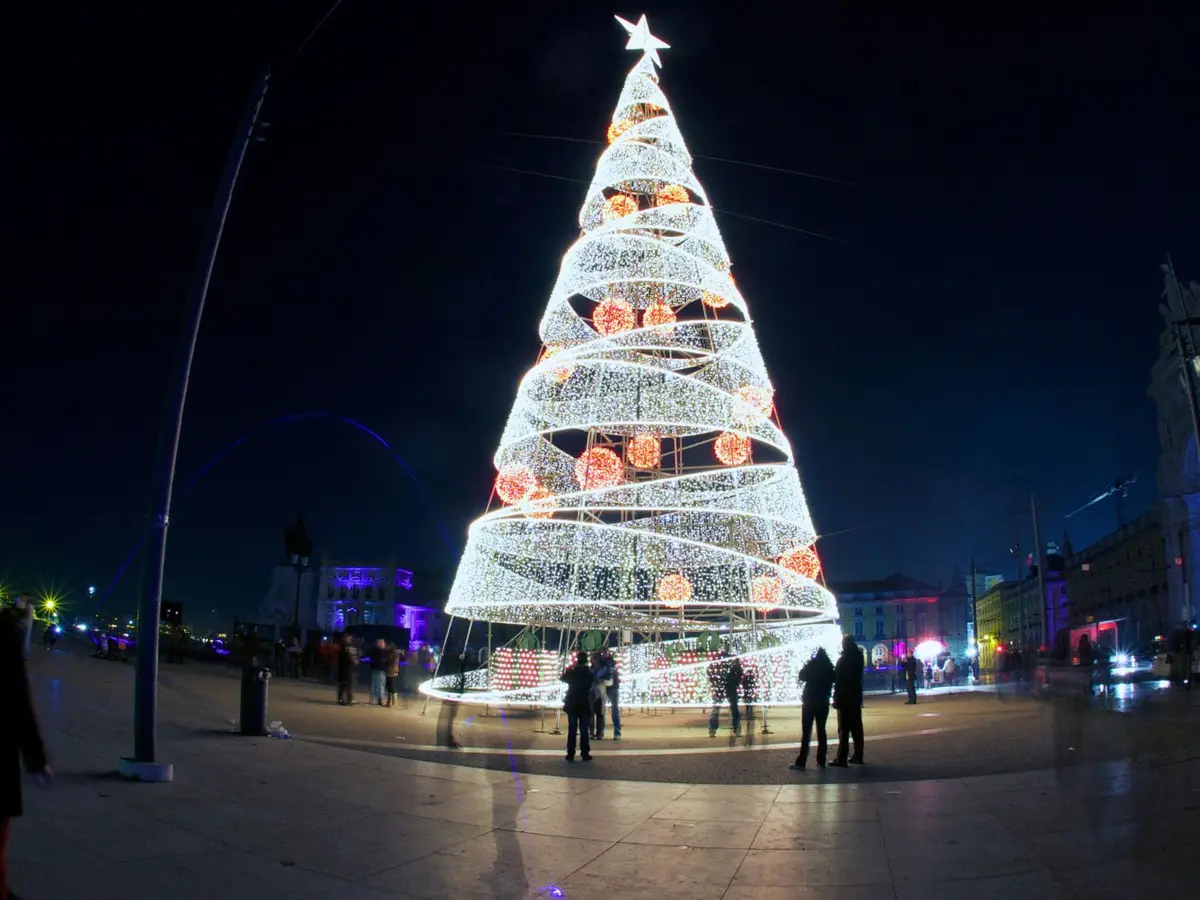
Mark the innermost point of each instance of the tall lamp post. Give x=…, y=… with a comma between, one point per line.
x=298, y=546
x=144, y=764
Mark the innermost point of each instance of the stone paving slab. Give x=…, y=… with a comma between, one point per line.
x=255, y=817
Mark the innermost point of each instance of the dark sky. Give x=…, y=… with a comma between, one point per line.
x=985, y=330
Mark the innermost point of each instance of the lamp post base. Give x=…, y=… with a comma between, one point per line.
x=155, y=773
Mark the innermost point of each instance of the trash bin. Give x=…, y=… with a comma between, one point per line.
x=254, y=700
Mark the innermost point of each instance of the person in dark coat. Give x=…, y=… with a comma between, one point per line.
x=347, y=670
x=578, y=705
x=910, y=678
x=818, y=677
x=20, y=739
x=848, y=700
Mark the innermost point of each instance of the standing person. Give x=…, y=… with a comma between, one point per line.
x=817, y=677
x=597, y=697
x=611, y=683
x=750, y=693
x=716, y=687
x=378, y=671
x=392, y=671
x=280, y=656
x=293, y=652
x=910, y=678
x=578, y=705
x=20, y=738
x=329, y=654
x=457, y=664
x=848, y=700
x=733, y=684
x=347, y=670
x=949, y=671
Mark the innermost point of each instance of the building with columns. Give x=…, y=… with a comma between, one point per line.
x=1178, y=364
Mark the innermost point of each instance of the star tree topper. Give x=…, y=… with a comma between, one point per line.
x=640, y=38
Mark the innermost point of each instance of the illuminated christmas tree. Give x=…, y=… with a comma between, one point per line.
x=646, y=495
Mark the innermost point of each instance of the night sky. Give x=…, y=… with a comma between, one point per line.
x=982, y=327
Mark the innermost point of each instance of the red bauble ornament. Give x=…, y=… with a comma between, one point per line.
x=616, y=129
x=618, y=206
x=515, y=482
x=766, y=592
x=674, y=590
x=562, y=373
x=672, y=193
x=732, y=449
x=803, y=561
x=599, y=468
x=542, y=503
x=644, y=451
x=658, y=313
x=761, y=398
x=612, y=316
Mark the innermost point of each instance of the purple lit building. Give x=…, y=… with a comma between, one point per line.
x=335, y=597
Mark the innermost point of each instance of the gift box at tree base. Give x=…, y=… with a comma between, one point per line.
x=646, y=496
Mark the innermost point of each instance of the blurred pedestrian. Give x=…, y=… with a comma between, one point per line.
x=610, y=681
x=910, y=678
x=347, y=670
x=378, y=664
x=20, y=738
x=597, y=697
x=391, y=660
x=749, y=693
x=293, y=653
x=24, y=616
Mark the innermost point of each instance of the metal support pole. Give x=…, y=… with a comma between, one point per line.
x=1041, y=564
x=145, y=701
x=296, y=611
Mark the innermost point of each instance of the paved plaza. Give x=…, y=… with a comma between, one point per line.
x=338, y=807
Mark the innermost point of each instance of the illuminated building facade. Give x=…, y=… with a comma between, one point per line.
x=991, y=606
x=1178, y=465
x=886, y=618
x=1123, y=578
x=335, y=597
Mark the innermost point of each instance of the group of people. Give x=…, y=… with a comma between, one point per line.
x=593, y=680
x=592, y=683
x=820, y=677
x=728, y=682
x=384, y=663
